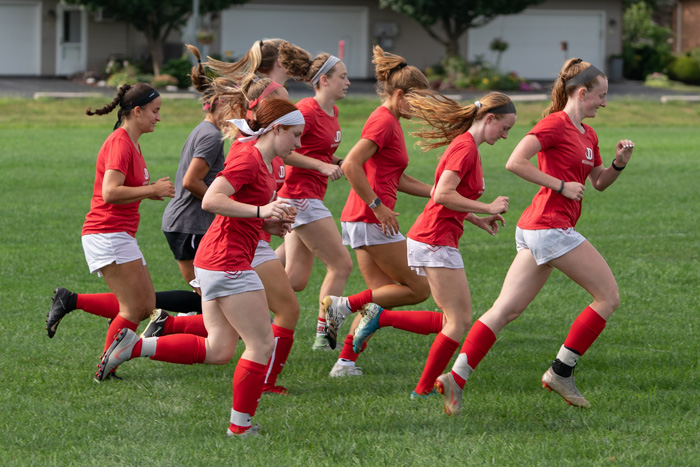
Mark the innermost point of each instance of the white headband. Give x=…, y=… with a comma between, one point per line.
x=292, y=118
x=330, y=63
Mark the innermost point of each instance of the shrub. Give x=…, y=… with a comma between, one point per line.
x=163, y=80
x=685, y=69
x=178, y=68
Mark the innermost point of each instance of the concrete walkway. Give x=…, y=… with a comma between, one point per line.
x=31, y=87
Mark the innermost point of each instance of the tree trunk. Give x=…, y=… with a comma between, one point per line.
x=155, y=47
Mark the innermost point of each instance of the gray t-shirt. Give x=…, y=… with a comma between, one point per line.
x=184, y=212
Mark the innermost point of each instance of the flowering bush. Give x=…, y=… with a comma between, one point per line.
x=457, y=73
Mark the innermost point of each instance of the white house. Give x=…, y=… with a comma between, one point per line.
x=48, y=38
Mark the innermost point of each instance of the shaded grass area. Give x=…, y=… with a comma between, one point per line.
x=641, y=375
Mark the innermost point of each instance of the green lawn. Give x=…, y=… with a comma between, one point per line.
x=641, y=376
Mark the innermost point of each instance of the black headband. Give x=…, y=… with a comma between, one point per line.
x=508, y=108
x=140, y=102
x=584, y=76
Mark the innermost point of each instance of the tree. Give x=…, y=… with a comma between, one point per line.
x=156, y=19
x=455, y=17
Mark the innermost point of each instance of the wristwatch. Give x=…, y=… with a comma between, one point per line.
x=375, y=203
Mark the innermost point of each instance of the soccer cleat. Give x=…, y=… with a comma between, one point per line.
x=321, y=343
x=565, y=387
x=340, y=371
x=59, y=308
x=368, y=325
x=451, y=393
x=118, y=352
x=254, y=430
x=416, y=397
x=113, y=375
x=335, y=315
x=276, y=390
x=157, y=324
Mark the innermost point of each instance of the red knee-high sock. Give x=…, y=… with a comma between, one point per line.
x=284, y=338
x=185, y=325
x=100, y=304
x=479, y=341
x=185, y=349
x=359, y=300
x=117, y=324
x=247, y=386
x=417, y=322
x=347, y=353
x=585, y=330
x=440, y=354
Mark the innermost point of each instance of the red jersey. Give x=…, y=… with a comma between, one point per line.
x=567, y=155
x=320, y=139
x=117, y=153
x=229, y=244
x=278, y=169
x=438, y=225
x=384, y=169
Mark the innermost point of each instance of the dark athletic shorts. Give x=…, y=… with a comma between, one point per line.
x=183, y=245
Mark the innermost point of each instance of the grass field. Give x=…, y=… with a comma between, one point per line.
x=641, y=376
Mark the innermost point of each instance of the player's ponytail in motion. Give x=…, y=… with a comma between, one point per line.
x=261, y=59
x=446, y=119
x=202, y=83
x=561, y=90
x=393, y=73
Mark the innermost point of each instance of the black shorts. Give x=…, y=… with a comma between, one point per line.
x=183, y=245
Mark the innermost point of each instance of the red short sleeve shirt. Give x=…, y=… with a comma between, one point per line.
x=117, y=153
x=384, y=169
x=568, y=155
x=320, y=139
x=438, y=225
x=230, y=242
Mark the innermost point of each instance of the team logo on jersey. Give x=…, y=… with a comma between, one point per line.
x=146, y=176
x=337, y=136
x=589, y=154
x=281, y=172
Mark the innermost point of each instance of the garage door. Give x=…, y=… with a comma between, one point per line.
x=535, y=40
x=316, y=29
x=20, y=36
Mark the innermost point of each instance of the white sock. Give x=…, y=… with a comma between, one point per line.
x=241, y=419
x=461, y=367
x=567, y=357
x=148, y=346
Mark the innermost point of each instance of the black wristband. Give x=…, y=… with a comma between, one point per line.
x=619, y=169
x=338, y=162
x=258, y=214
x=561, y=188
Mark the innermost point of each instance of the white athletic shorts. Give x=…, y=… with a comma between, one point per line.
x=216, y=284
x=422, y=255
x=359, y=234
x=308, y=210
x=103, y=249
x=263, y=254
x=547, y=244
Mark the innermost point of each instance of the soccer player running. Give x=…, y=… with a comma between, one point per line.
x=233, y=299
x=567, y=153
x=122, y=180
x=314, y=233
x=375, y=169
x=433, y=241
